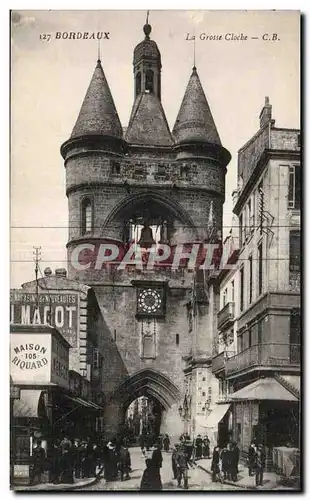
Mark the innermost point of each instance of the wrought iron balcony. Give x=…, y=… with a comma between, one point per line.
x=218, y=363
x=268, y=355
x=226, y=315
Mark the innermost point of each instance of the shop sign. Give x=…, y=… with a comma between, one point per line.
x=39, y=358
x=60, y=310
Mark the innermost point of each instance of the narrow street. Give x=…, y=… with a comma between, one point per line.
x=198, y=479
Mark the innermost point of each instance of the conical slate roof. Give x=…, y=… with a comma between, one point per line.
x=148, y=124
x=194, y=122
x=98, y=114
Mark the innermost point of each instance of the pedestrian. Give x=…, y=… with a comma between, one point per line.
x=157, y=461
x=188, y=447
x=251, y=458
x=55, y=462
x=67, y=461
x=206, y=447
x=198, y=447
x=215, y=468
x=173, y=461
x=150, y=480
x=182, y=466
x=260, y=462
x=166, y=442
x=38, y=463
x=124, y=462
x=142, y=442
x=111, y=467
x=234, y=462
x=104, y=457
x=149, y=441
x=225, y=462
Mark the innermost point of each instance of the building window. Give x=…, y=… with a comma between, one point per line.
x=295, y=327
x=249, y=217
x=294, y=187
x=184, y=172
x=294, y=250
x=250, y=337
x=138, y=84
x=260, y=203
x=209, y=394
x=241, y=288
x=149, y=81
x=225, y=297
x=298, y=141
x=233, y=291
x=250, y=278
x=260, y=268
x=203, y=379
x=259, y=331
x=115, y=168
x=241, y=229
x=177, y=339
x=87, y=216
x=203, y=394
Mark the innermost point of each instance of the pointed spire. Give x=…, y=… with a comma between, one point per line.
x=194, y=122
x=98, y=114
x=148, y=124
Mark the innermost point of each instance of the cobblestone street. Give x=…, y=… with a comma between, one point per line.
x=198, y=479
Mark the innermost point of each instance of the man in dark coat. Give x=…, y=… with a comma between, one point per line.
x=215, y=468
x=151, y=479
x=234, y=461
x=38, y=463
x=206, y=447
x=225, y=462
x=251, y=458
x=67, y=461
x=166, y=442
x=124, y=462
x=182, y=466
x=173, y=461
x=55, y=461
x=260, y=462
x=198, y=447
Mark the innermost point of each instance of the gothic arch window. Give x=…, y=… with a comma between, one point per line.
x=138, y=83
x=87, y=215
x=149, y=80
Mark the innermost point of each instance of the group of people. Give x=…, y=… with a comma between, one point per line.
x=225, y=463
x=65, y=460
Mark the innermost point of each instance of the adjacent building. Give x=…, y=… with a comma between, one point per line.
x=261, y=381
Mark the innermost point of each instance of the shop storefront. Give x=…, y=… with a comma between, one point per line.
x=46, y=409
x=266, y=412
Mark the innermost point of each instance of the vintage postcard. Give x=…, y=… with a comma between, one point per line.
x=155, y=250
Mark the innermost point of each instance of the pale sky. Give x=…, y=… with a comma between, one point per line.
x=50, y=79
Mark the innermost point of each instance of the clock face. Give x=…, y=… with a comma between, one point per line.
x=149, y=301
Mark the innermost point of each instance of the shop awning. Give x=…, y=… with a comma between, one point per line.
x=27, y=405
x=264, y=389
x=82, y=402
x=217, y=413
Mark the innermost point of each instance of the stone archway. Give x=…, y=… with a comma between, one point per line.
x=151, y=383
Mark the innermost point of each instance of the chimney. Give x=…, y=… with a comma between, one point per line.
x=61, y=273
x=47, y=272
x=266, y=113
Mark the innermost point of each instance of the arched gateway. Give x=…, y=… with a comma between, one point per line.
x=150, y=383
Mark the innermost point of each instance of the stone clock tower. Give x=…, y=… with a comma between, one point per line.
x=144, y=187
